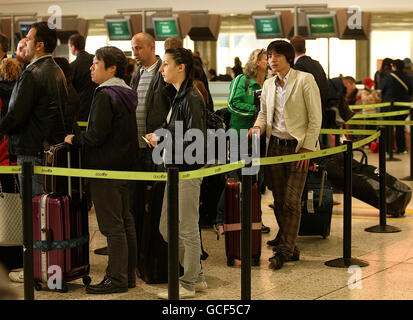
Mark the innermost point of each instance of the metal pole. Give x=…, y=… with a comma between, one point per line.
x=391, y=140
x=173, y=232
x=246, y=234
x=382, y=177
x=295, y=21
x=348, y=191
x=26, y=189
x=410, y=178
x=12, y=34
x=383, y=227
x=347, y=260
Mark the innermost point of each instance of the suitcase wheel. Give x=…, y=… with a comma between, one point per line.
x=256, y=262
x=38, y=286
x=86, y=280
x=230, y=262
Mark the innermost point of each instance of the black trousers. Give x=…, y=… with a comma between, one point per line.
x=111, y=199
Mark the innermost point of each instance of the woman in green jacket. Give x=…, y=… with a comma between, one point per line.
x=243, y=109
x=241, y=97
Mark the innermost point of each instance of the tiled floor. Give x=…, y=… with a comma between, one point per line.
x=389, y=275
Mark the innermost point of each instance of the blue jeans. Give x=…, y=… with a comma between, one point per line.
x=37, y=180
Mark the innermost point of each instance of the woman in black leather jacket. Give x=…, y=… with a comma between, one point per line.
x=188, y=112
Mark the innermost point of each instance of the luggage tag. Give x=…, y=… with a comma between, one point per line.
x=310, y=201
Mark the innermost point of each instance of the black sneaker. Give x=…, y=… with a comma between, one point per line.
x=105, y=287
x=277, y=261
x=275, y=242
x=265, y=229
x=102, y=251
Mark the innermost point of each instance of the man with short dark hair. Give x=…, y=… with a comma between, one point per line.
x=35, y=119
x=4, y=46
x=110, y=144
x=82, y=82
x=291, y=118
x=302, y=62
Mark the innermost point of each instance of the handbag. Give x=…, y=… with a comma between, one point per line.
x=11, y=218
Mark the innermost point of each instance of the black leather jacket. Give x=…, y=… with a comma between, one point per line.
x=189, y=108
x=156, y=102
x=34, y=119
x=110, y=140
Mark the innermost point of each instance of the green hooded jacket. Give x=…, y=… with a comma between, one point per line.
x=241, y=103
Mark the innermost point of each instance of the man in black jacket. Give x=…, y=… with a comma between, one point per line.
x=35, y=117
x=110, y=143
x=304, y=63
x=82, y=82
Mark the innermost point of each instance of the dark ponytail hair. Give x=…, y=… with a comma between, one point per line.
x=183, y=56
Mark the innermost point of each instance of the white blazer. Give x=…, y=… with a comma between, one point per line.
x=302, y=109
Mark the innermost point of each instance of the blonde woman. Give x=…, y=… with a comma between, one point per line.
x=241, y=98
x=244, y=106
x=9, y=72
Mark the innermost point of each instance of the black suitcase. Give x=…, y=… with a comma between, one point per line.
x=317, y=205
x=366, y=185
x=152, y=264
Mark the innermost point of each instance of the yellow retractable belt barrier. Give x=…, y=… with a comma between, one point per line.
x=403, y=104
x=10, y=169
x=298, y=157
x=348, y=131
x=381, y=114
x=82, y=124
x=101, y=174
x=368, y=106
x=201, y=173
x=381, y=122
x=360, y=143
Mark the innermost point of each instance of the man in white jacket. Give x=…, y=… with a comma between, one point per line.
x=291, y=118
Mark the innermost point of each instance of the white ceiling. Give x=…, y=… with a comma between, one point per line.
x=98, y=8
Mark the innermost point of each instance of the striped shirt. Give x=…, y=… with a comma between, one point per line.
x=141, y=110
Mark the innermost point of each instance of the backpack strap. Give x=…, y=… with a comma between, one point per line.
x=400, y=81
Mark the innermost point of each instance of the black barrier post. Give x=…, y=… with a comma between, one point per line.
x=246, y=230
x=28, y=268
x=347, y=260
x=391, y=141
x=410, y=178
x=382, y=227
x=173, y=232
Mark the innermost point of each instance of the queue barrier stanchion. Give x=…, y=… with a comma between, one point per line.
x=173, y=233
x=246, y=230
x=347, y=260
x=382, y=227
x=390, y=132
x=28, y=266
x=410, y=178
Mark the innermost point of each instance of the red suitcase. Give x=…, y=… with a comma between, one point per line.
x=232, y=226
x=60, y=239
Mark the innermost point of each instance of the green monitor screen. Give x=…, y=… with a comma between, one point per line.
x=267, y=27
x=166, y=28
x=322, y=26
x=118, y=29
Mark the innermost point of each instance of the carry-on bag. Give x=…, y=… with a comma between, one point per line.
x=366, y=183
x=152, y=266
x=317, y=205
x=60, y=238
x=57, y=156
x=232, y=225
